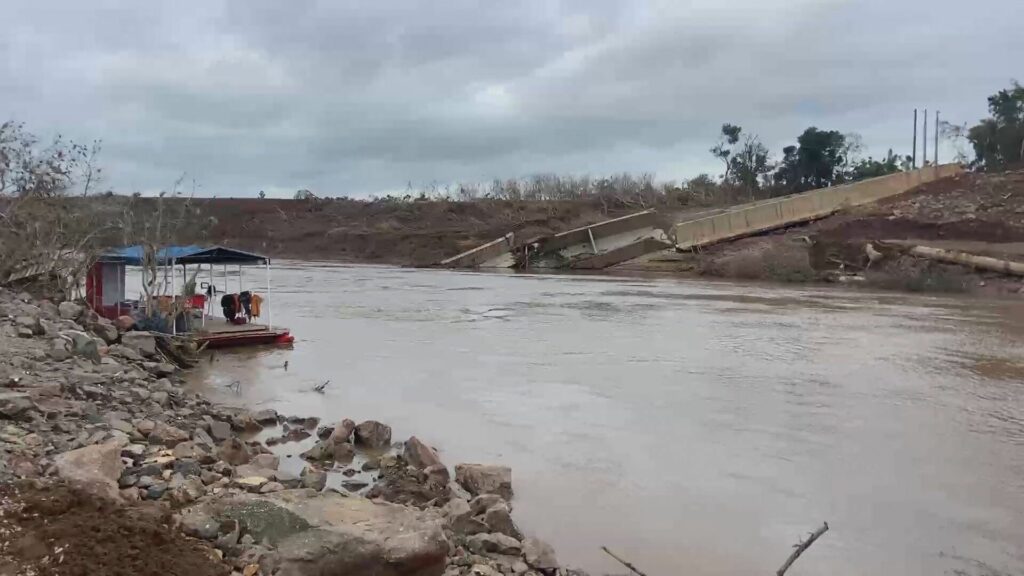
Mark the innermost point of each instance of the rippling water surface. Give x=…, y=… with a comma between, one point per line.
x=691, y=427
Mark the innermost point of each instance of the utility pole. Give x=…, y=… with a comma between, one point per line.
x=913, y=155
x=936, y=138
x=924, y=140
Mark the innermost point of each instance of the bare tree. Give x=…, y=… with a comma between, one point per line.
x=44, y=236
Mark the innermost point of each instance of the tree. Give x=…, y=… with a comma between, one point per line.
x=723, y=150
x=872, y=168
x=42, y=236
x=815, y=162
x=749, y=164
x=262, y=194
x=998, y=140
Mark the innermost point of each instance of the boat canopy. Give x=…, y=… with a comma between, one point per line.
x=133, y=255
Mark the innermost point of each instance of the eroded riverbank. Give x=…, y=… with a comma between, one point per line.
x=686, y=425
x=108, y=463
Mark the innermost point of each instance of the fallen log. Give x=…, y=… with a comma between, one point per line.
x=963, y=258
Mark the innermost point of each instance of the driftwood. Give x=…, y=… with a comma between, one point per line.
x=980, y=262
x=801, y=547
x=623, y=562
x=182, y=352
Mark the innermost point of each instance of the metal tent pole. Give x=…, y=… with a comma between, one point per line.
x=270, y=317
x=239, y=278
x=174, y=323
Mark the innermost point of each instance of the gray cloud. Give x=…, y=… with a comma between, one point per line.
x=361, y=98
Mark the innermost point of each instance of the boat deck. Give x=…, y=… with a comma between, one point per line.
x=218, y=333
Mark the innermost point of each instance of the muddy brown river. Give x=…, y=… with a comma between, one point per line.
x=692, y=427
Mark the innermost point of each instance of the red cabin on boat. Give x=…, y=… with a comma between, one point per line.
x=188, y=307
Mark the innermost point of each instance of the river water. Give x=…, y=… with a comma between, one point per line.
x=692, y=427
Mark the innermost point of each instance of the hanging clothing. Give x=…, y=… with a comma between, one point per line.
x=228, y=305
x=255, y=304
x=245, y=299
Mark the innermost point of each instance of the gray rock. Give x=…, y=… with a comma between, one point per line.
x=373, y=434
x=483, y=479
x=456, y=491
x=343, y=453
x=125, y=352
x=127, y=481
x=30, y=323
x=145, y=481
x=266, y=417
x=270, y=461
x=106, y=332
x=81, y=344
x=481, y=503
x=16, y=405
x=200, y=436
x=156, y=491
x=142, y=342
x=313, y=479
x=271, y=487
x=187, y=468
x=70, y=310
x=459, y=518
x=200, y=526
x=145, y=427
x=332, y=534
x=342, y=432
x=539, y=554
x=322, y=451
x=493, y=543
x=499, y=519
x=234, y=452
x=209, y=477
x=483, y=570
x=159, y=397
x=97, y=468
x=354, y=485
x=418, y=454
x=167, y=435
x=220, y=431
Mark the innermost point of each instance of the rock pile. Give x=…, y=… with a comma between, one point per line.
x=83, y=402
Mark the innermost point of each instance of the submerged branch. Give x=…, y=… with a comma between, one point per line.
x=801, y=547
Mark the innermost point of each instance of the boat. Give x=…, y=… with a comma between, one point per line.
x=188, y=307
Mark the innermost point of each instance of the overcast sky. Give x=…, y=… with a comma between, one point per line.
x=360, y=98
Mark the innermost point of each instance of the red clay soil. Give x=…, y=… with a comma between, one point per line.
x=56, y=530
x=408, y=233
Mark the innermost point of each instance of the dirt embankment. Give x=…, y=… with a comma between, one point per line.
x=977, y=213
x=405, y=233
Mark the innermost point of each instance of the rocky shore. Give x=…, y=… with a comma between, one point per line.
x=108, y=466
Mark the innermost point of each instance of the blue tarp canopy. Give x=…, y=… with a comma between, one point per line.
x=132, y=255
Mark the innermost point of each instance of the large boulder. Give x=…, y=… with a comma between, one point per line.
x=539, y=554
x=82, y=344
x=97, y=468
x=107, y=332
x=483, y=479
x=234, y=452
x=342, y=432
x=373, y=434
x=494, y=543
x=327, y=533
x=499, y=519
x=167, y=435
x=418, y=454
x=70, y=310
x=142, y=342
x=16, y=405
